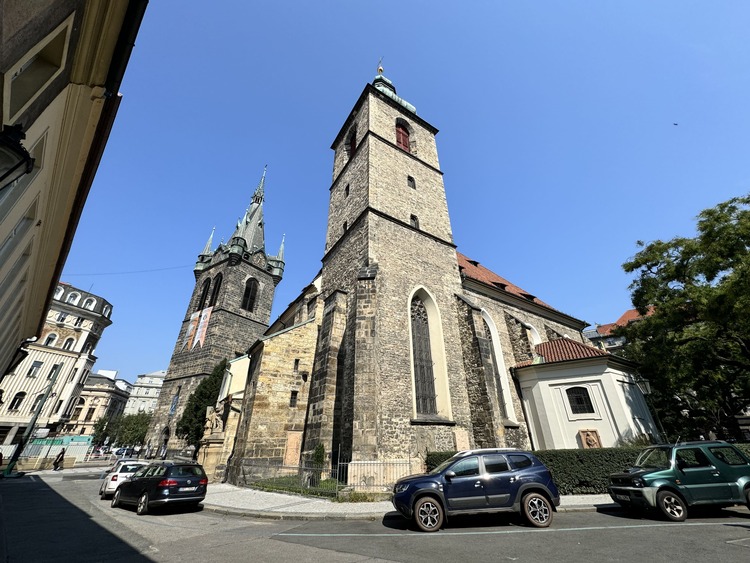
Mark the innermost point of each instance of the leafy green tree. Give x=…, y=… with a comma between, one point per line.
x=190, y=427
x=133, y=428
x=695, y=346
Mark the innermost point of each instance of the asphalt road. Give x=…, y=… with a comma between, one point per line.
x=64, y=520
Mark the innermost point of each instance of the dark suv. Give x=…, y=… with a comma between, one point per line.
x=161, y=483
x=672, y=477
x=479, y=481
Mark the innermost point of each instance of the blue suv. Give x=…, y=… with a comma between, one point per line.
x=479, y=481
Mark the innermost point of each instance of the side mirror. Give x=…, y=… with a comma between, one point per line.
x=449, y=475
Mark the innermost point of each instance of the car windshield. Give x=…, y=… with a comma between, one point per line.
x=440, y=468
x=655, y=457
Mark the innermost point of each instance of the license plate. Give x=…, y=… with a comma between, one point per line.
x=622, y=497
x=186, y=489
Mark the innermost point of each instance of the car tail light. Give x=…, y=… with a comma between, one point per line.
x=114, y=477
x=203, y=481
x=167, y=483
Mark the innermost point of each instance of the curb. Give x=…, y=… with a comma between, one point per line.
x=371, y=516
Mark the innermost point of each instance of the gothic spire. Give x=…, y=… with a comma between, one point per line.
x=250, y=227
x=207, y=248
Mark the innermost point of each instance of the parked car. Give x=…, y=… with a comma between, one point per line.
x=115, y=475
x=161, y=483
x=124, y=452
x=479, y=481
x=674, y=477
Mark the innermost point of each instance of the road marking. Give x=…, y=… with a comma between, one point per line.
x=500, y=532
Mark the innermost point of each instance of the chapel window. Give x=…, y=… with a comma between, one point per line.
x=580, y=400
x=217, y=286
x=204, y=295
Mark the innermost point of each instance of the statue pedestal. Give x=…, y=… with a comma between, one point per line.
x=210, y=455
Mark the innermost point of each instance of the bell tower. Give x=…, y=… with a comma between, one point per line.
x=389, y=379
x=229, y=309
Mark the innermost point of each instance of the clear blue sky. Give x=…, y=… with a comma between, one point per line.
x=557, y=139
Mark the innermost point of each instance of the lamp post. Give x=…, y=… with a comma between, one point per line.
x=15, y=160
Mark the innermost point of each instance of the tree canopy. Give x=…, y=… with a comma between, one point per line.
x=191, y=425
x=122, y=430
x=694, y=347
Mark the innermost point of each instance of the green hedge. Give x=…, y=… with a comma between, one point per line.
x=578, y=472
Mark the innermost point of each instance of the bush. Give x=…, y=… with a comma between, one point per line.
x=578, y=472
x=434, y=459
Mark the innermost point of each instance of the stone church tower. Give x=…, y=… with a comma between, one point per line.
x=229, y=309
x=390, y=344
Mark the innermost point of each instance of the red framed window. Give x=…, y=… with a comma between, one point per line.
x=402, y=137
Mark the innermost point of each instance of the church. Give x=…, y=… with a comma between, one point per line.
x=400, y=345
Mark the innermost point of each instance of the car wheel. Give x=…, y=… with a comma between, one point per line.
x=747, y=498
x=537, y=510
x=671, y=506
x=142, y=507
x=116, y=499
x=428, y=514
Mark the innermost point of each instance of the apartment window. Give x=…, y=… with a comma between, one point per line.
x=58, y=407
x=33, y=72
x=68, y=345
x=79, y=322
x=37, y=402
x=61, y=317
x=411, y=182
x=73, y=298
x=15, y=404
x=89, y=303
x=52, y=372
x=293, y=399
x=58, y=292
x=89, y=414
x=106, y=311
x=50, y=340
x=34, y=369
x=72, y=375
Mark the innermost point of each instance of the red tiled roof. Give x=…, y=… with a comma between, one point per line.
x=472, y=269
x=563, y=350
x=626, y=318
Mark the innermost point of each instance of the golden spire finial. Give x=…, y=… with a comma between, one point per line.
x=380, y=66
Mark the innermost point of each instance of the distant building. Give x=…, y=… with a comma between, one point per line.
x=59, y=362
x=103, y=396
x=145, y=393
x=61, y=66
x=602, y=336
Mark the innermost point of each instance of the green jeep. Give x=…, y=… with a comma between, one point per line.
x=673, y=477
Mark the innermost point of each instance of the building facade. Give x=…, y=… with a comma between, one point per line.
x=61, y=66
x=401, y=345
x=103, y=396
x=145, y=392
x=53, y=374
x=229, y=309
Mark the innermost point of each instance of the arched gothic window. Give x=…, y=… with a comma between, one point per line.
x=204, y=295
x=495, y=366
x=250, y=295
x=424, y=377
x=217, y=287
x=580, y=400
x=402, y=137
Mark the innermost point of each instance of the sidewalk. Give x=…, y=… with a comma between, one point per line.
x=224, y=498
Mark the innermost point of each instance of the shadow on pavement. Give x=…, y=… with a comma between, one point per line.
x=37, y=524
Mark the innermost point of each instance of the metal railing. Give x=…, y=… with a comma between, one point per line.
x=328, y=479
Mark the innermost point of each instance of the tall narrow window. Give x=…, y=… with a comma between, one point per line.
x=69, y=344
x=414, y=221
x=402, y=137
x=423, y=373
x=15, y=404
x=204, y=295
x=351, y=142
x=217, y=287
x=411, y=182
x=58, y=292
x=293, y=399
x=580, y=400
x=89, y=303
x=496, y=369
x=34, y=369
x=50, y=340
x=346, y=191
x=61, y=317
x=73, y=298
x=36, y=403
x=250, y=295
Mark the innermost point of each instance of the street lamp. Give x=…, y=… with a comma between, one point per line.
x=15, y=160
x=644, y=385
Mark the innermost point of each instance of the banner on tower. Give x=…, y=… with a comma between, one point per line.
x=190, y=332
x=200, y=334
